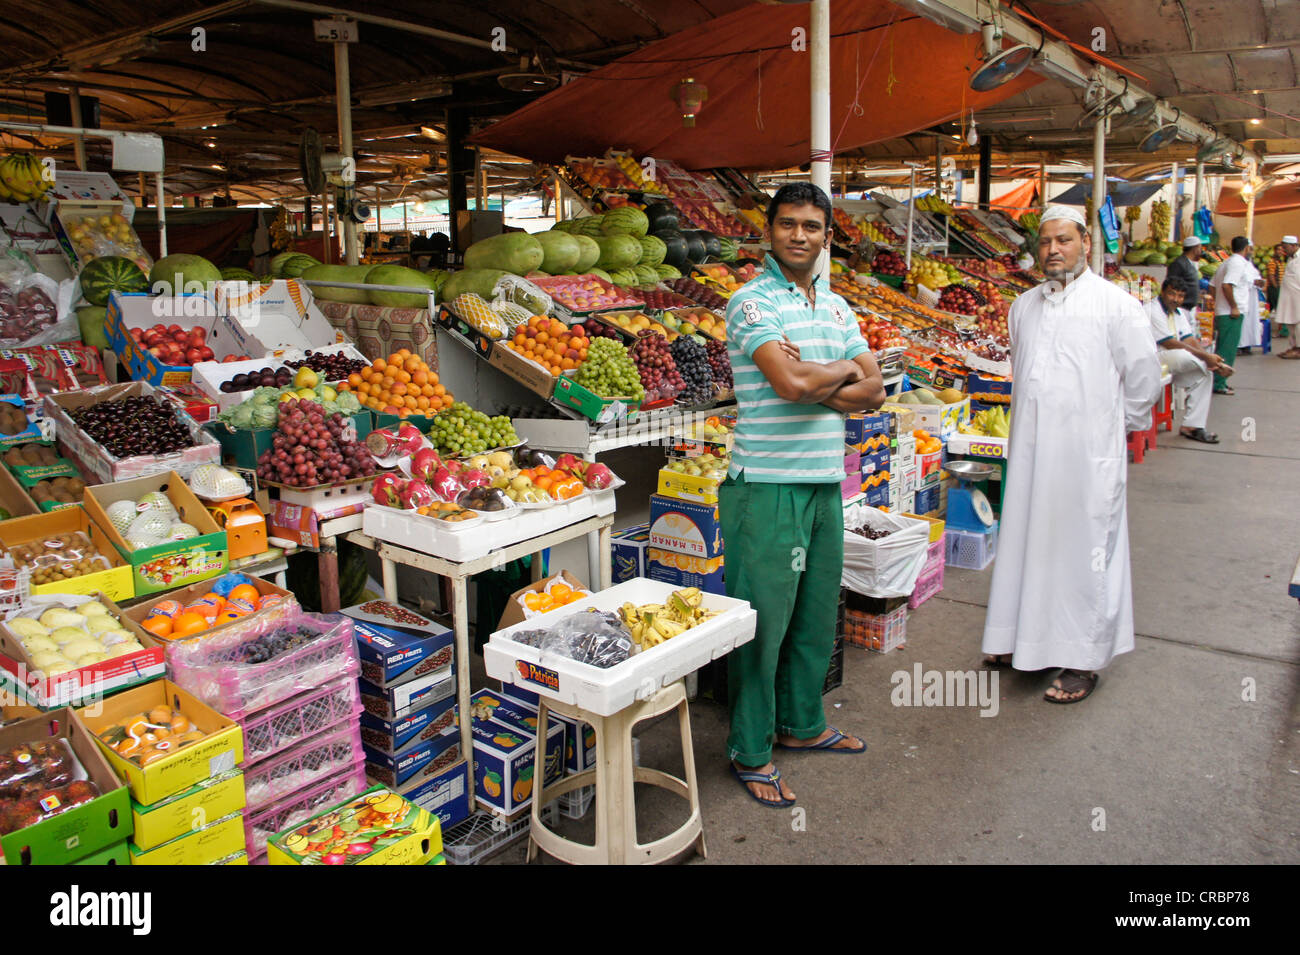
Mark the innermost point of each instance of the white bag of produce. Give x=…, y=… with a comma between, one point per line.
x=887, y=567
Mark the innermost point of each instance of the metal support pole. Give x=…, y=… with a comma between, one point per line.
x=938, y=168
x=1250, y=218
x=986, y=170
x=1042, y=184
x=162, y=218
x=1174, y=205
x=1098, y=194
x=1198, y=195
x=78, y=141
x=911, y=210
x=820, y=104
x=343, y=95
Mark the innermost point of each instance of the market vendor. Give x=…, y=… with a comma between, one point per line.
x=1187, y=273
x=800, y=363
x=1086, y=373
x=1287, y=314
x=1233, y=287
x=1191, y=365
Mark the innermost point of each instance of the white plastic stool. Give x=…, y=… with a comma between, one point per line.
x=615, y=776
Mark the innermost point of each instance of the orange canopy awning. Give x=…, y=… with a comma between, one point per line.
x=892, y=73
x=1018, y=201
x=1281, y=197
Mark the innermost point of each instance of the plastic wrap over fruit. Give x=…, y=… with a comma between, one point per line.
x=151, y=525
x=520, y=291
x=215, y=483
x=593, y=637
x=447, y=486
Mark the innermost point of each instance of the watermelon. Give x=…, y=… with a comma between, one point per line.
x=567, y=225
x=599, y=273
x=111, y=273
x=439, y=278
x=91, y=319
x=662, y=217
x=729, y=249
x=399, y=275
x=352, y=274
x=561, y=251
x=652, y=250
x=712, y=247
x=675, y=248
x=182, y=274
x=479, y=281
x=516, y=252
x=646, y=275
x=695, y=250
x=588, y=225
x=623, y=277
x=1156, y=258
x=618, y=251
x=588, y=253
x=277, y=263
x=668, y=272
x=294, y=267
x=625, y=220
x=238, y=275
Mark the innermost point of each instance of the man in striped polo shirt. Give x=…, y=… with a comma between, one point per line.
x=800, y=363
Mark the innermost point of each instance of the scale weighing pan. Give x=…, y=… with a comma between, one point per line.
x=969, y=470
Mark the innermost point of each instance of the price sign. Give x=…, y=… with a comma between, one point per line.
x=336, y=31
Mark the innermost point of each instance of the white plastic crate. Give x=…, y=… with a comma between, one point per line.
x=328, y=497
x=878, y=632
x=483, y=834
x=575, y=803
x=972, y=551
x=606, y=691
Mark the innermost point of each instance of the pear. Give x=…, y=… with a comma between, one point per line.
x=39, y=644
x=57, y=617
x=26, y=627
x=92, y=608
x=306, y=378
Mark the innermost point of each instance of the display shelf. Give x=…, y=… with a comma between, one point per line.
x=580, y=437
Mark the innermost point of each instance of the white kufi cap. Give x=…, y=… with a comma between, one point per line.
x=1290, y=240
x=1064, y=212
x=1191, y=242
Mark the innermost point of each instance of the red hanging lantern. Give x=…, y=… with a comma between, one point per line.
x=689, y=96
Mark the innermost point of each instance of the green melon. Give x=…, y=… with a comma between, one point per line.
x=111, y=273
x=618, y=252
x=646, y=275
x=599, y=273
x=294, y=267
x=479, y=281
x=653, y=251
x=91, y=319
x=1156, y=258
x=354, y=274
x=516, y=252
x=625, y=220
x=668, y=272
x=182, y=274
x=588, y=255
x=237, y=275
x=277, y=263
x=589, y=225
x=399, y=275
x=561, y=251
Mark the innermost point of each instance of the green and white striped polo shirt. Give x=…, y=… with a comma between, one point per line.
x=779, y=441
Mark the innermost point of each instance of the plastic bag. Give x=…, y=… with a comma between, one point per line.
x=593, y=637
x=59, y=557
x=34, y=308
x=887, y=567
x=39, y=780
x=512, y=288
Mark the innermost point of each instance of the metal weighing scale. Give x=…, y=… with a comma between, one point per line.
x=968, y=508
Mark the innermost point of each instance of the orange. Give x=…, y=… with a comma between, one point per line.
x=354, y=380
x=560, y=589
x=412, y=402
x=159, y=626
x=189, y=622
x=413, y=364
x=167, y=608
x=380, y=365
x=245, y=592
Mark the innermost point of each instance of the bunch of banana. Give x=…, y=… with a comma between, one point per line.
x=652, y=624
x=990, y=423
x=22, y=178
x=1160, y=219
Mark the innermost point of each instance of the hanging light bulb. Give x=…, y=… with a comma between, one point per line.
x=419, y=206
x=972, y=134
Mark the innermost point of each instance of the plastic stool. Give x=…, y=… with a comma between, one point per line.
x=1163, y=412
x=615, y=775
x=1139, y=442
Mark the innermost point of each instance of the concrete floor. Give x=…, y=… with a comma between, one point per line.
x=1166, y=763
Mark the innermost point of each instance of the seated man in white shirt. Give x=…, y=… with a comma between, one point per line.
x=1191, y=365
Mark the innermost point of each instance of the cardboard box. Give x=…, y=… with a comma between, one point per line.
x=82, y=830
x=14, y=497
x=376, y=811
x=627, y=552
x=514, y=612
x=570, y=394
x=978, y=384
x=92, y=459
x=528, y=373
x=860, y=429
x=267, y=320
x=394, y=737
x=192, y=401
x=851, y=486
x=220, y=751
x=503, y=764
x=31, y=433
x=936, y=524
x=446, y=795
x=685, y=527
x=170, y=565
x=875, y=461
x=877, y=495
x=427, y=758
x=685, y=570
x=209, y=799
x=243, y=446
x=216, y=840
x=116, y=581
x=926, y=500
x=142, y=310
x=942, y=419
x=491, y=705
x=300, y=525
x=77, y=686
x=398, y=702
x=142, y=611
x=393, y=653
x=579, y=737
x=117, y=854
x=688, y=487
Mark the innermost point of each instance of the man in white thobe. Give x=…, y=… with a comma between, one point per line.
x=1191, y=366
x=1086, y=373
x=1252, y=334
x=1287, y=313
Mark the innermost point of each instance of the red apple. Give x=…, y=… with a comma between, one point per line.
x=206, y=353
x=193, y=356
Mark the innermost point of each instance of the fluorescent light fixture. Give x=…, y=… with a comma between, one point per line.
x=1256, y=122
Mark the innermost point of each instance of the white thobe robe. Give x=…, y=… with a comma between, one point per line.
x=1189, y=372
x=1252, y=335
x=1086, y=372
x=1288, y=296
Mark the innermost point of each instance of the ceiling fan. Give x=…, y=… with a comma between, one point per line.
x=538, y=72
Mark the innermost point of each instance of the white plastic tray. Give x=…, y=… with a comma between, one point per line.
x=397, y=527
x=605, y=692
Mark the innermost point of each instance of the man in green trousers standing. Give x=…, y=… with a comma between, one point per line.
x=1233, y=287
x=800, y=363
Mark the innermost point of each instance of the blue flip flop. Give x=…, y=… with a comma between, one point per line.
x=770, y=779
x=828, y=745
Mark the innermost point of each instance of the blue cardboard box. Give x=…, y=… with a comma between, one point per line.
x=627, y=552
x=393, y=654
x=927, y=499
x=877, y=496
x=685, y=527
x=579, y=738
x=503, y=763
x=394, y=736
x=445, y=795
x=428, y=758
x=707, y=574
x=397, y=702
x=859, y=428
x=875, y=461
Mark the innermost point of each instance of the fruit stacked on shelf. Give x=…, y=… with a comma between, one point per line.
x=926, y=443
x=604, y=175
x=38, y=781
x=609, y=372
x=932, y=274
x=878, y=232
x=992, y=315
x=126, y=427
x=462, y=431
x=631, y=323
x=717, y=276
x=587, y=293
x=958, y=299
x=887, y=262
x=846, y=285
x=172, y=344
x=149, y=521
x=656, y=368
x=692, y=360
x=552, y=344
x=720, y=365
x=331, y=366
x=698, y=293
x=844, y=222
x=696, y=321
x=401, y=384
x=880, y=334
x=313, y=448
x=67, y=638
x=661, y=298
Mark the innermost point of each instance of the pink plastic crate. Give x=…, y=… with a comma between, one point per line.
x=336, y=750
x=927, y=585
x=261, y=824
x=278, y=727
x=214, y=667
x=934, y=554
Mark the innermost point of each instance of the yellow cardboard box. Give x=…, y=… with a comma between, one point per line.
x=186, y=811
x=212, y=842
x=689, y=487
x=116, y=582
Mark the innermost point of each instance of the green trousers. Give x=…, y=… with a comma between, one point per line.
x=1227, y=335
x=784, y=553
